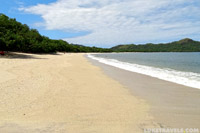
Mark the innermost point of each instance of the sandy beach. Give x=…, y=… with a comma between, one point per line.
x=65, y=93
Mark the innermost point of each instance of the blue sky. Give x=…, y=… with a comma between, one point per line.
x=11, y=9
x=107, y=23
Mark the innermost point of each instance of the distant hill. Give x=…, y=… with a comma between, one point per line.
x=184, y=45
x=18, y=37
x=15, y=36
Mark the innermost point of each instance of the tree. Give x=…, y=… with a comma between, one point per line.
x=15, y=36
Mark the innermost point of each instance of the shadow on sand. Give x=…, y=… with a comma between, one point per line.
x=14, y=55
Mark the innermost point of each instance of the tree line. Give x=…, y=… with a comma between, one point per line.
x=15, y=36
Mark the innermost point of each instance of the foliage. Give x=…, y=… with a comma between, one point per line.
x=15, y=36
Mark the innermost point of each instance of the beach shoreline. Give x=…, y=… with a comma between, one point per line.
x=66, y=93
x=172, y=105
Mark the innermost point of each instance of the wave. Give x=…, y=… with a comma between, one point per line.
x=184, y=78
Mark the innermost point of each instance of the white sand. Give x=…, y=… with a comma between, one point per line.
x=65, y=93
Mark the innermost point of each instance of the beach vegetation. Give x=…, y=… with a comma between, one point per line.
x=15, y=36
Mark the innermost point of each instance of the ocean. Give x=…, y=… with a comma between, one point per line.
x=181, y=67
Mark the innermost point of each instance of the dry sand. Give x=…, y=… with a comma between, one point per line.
x=65, y=93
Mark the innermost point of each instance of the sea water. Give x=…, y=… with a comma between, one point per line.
x=181, y=68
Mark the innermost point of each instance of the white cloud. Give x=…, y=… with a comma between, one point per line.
x=113, y=22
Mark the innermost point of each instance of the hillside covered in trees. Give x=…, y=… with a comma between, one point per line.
x=184, y=45
x=15, y=36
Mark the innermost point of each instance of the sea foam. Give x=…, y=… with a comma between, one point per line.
x=184, y=78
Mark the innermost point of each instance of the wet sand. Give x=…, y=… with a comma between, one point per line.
x=172, y=105
x=66, y=93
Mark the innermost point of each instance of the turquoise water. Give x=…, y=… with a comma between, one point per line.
x=181, y=68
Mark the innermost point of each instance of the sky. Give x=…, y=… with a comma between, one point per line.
x=106, y=23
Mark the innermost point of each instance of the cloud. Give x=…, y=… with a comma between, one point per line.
x=112, y=22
